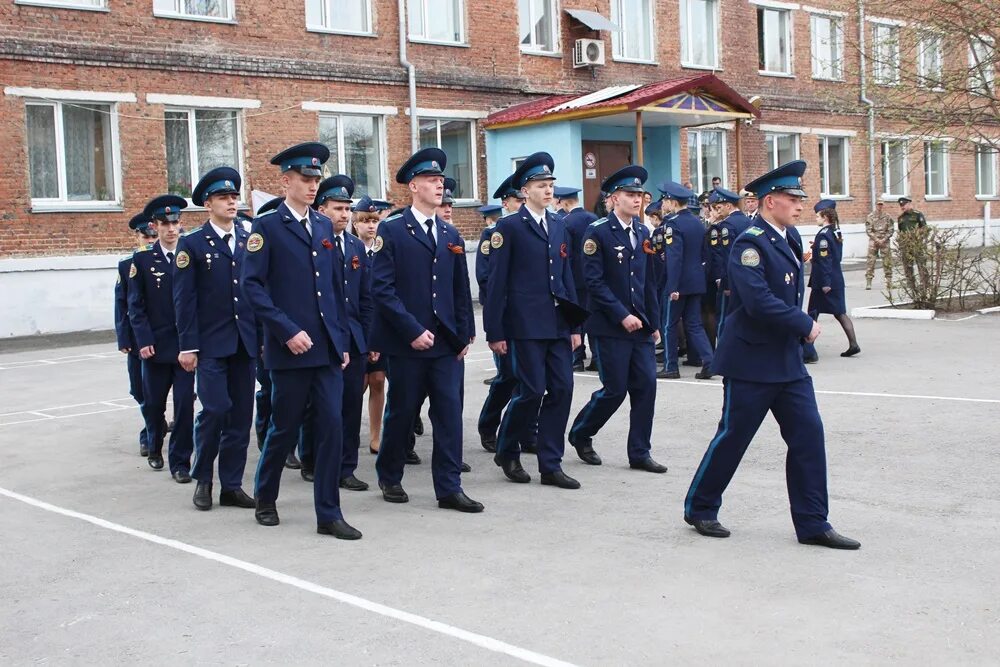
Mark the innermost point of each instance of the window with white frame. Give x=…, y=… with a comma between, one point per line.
x=67, y=4
x=885, y=53
x=457, y=138
x=936, y=168
x=440, y=21
x=782, y=147
x=199, y=140
x=347, y=16
x=699, y=33
x=706, y=158
x=895, y=181
x=930, y=59
x=982, y=65
x=355, y=144
x=827, y=47
x=539, y=25
x=211, y=10
x=774, y=40
x=834, y=180
x=72, y=152
x=634, y=41
x=986, y=171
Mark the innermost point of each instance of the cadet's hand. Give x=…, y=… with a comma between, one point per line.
x=718, y=283
x=500, y=347
x=576, y=340
x=461, y=355
x=631, y=323
x=674, y=296
x=807, y=255
x=147, y=352
x=188, y=360
x=814, y=334
x=727, y=292
x=347, y=360
x=299, y=343
x=826, y=290
x=125, y=350
x=424, y=341
x=373, y=356
x=656, y=336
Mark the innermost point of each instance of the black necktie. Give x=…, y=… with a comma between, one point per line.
x=305, y=226
x=631, y=236
x=541, y=225
x=430, y=235
x=226, y=238
x=371, y=253
x=340, y=249
x=170, y=258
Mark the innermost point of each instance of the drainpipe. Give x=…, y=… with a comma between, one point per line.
x=864, y=99
x=411, y=77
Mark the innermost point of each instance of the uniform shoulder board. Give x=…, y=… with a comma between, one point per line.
x=754, y=231
x=598, y=222
x=393, y=217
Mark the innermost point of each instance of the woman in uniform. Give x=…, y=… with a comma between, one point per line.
x=827, y=279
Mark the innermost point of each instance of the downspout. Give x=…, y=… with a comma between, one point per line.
x=864, y=99
x=411, y=78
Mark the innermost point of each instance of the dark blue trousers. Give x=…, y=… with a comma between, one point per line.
x=263, y=397
x=133, y=362
x=411, y=379
x=222, y=428
x=625, y=366
x=744, y=407
x=354, y=382
x=544, y=392
x=157, y=381
x=721, y=306
x=689, y=308
x=292, y=389
x=498, y=397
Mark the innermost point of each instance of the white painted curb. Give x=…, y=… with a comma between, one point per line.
x=889, y=311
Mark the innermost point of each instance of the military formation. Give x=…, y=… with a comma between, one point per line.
x=318, y=316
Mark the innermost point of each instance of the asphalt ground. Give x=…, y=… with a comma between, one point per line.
x=104, y=561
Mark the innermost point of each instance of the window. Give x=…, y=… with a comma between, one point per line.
x=774, y=40
x=930, y=60
x=986, y=171
x=538, y=21
x=781, y=148
x=355, y=144
x=92, y=5
x=207, y=10
x=833, y=160
x=827, y=47
x=706, y=158
x=982, y=65
x=699, y=33
x=635, y=39
x=72, y=153
x=935, y=169
x=894, y=169
x=457, y=139
x=199, y=140
x=350, y=16
x=885, y=53
x=437, y=21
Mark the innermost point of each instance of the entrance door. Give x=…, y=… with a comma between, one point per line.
x=600, y=160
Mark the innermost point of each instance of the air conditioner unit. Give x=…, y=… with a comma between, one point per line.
x=588, y=53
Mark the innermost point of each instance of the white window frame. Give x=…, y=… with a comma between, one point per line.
x=980, y=75
x=945, y=167
x=327, y=28
x=535, y=49
x=193, y=143
x=177, y=13
x=702, y=187
x=787, y=9
x=380, y=128
x=928, y=36
x=824, y=147
x=992, y=152
x=427, y=114
x=617, y=44
x=891, y=196
x=421, y=39
x=100, y=6
x=838, y=28
x=771, y=145
x=687, y=39
x=896, y=28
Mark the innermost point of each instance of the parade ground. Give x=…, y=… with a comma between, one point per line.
x=105, y=561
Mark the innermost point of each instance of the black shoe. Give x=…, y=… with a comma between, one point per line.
x=560, y=479
x=592, y=366
x=339, y=529
x=833, y=540
x=412, y=458
x=237, y=498
x=143, y=450
x=393, y=493
x=512, y=469
x=418, y=426
x=688, y=362
x=461, y=502
x=352, y=483
x=579, y=368
x=708, y=527
x=169, y=426
x=851, y=351
x=704, y=374
x=266, y=514
x=372, y=450
x=466, y=467
x=155, y=461
x=668, y=375
x=682, y=352
x=489, y=441
x=292, y=462
x=307, y=475
x=649, y=465
x=181, y=476
x=529, y=447
x=203, y=496
x=489, y=381
x=585, y=450
x=810, y=360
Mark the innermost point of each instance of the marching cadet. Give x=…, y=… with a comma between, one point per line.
x=510, y=198
x=424, y=323
x=146, y=235
x=576, y=222
x=621, y=286
x=531, y=315
x=826, y=279
x=218, y=338
x=732, y=223
x=567, y=199
x=760, y=359
x=879, y=228
x=447, y=199
x=290, y=281
x=263, y=396
x=151, y=312
x=681, y=238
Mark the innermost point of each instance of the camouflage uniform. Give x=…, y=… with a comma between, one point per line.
x=912, y=223
x=879, y=227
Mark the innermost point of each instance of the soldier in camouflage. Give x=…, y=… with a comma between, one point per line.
x=912, y=224
x=879, y=227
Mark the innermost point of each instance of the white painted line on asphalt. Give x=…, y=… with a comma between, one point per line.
x=42, y=414
x=476, y=639
x=35, y=363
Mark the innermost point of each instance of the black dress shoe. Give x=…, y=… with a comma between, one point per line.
x=412, y=458
x=237, y=498
x=339, y=529
x=307, y=475
x=203, y=496
x=181, y=476
x=466, y=467
x=393, y=493
x=810, y=360
x=461, y=502
x=833, y=540
x=851, y=351
x=143, y=450
x=168, y=426
x=155, y=461
x=560, y=479
x=649, y=465
x=668, y=375
x=708, y=527
x=585, y=450
x=372, y=450
x=688, y=362
x=489, y=381
x=512, y=469
x=489, y=441
x=352, y=483
x=579, y=368
x=592, y=366
x=704, y=374
x=529, y=447
x=266, y=514
x=292, y=462
x=418, y=426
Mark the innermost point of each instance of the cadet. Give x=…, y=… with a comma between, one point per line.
x=531, y=315
x=911, y=225
x=447, y=199
x=732, y=223
x=510, y=198
x=263, y=396
x=681, y=237
x=567, y=199
x=576, y=222
x=218, y=337
x=290, y=281
x=424, y=324
x=827, y=278
x=151, y=313
x=141, y=225
x=879, y=228
x=760, y=359
x=621, y=286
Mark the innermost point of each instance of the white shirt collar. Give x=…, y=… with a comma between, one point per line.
x=781, y=232
x=538, y=218
x=298, y=216
x=419, y=216
x=221, y=232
